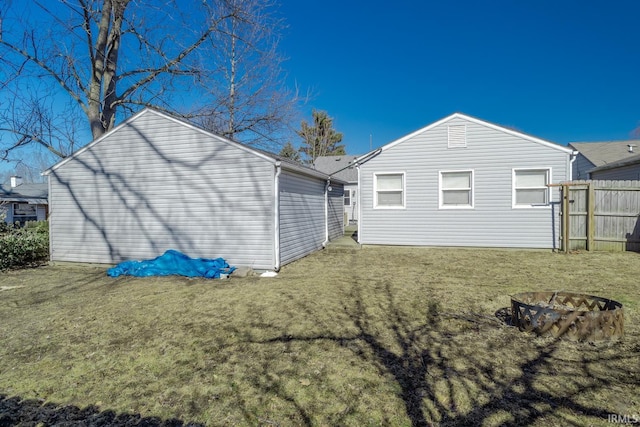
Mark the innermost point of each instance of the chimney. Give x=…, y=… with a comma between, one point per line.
x=630, y=147
x=15, y=181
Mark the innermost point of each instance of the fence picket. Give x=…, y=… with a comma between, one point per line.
x=601, y=215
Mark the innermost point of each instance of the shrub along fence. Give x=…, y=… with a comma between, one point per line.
x=23, y=246
x=600, y=215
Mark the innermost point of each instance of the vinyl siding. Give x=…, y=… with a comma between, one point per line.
x=41, y=212
x=631, y=172
x=302, y=229
x=336, y=211
x=155, y=184
x=492, y=222
x=581, y=166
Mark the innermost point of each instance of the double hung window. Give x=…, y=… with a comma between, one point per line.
x=530, y=187
x=456, y=189
x=389, y=190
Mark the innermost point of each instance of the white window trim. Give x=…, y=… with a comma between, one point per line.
x=375, y=190
x=513, y=188
x=473, y=190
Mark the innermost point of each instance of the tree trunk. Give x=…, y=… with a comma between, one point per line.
x=102, y=97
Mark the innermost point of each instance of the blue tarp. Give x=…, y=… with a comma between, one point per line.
x=173, y=262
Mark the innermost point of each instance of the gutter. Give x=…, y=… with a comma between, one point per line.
x=359, y=160
x=276, y=209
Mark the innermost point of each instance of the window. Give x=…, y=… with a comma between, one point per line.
x=389, y=190
x=456, y=189
x=347, y=197
x=23, y=212
x=530, y=187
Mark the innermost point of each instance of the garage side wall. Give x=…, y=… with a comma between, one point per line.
x=155, y=184
x=302, y=228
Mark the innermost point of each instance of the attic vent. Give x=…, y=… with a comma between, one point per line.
x=457, y=136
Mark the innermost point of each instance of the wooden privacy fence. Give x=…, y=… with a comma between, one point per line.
x=600, y=215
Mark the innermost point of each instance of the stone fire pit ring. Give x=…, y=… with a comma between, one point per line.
x=569, y=315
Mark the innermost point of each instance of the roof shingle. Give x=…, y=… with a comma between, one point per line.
x=602, y=153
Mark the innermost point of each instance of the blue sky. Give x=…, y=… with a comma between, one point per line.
x=560, y=70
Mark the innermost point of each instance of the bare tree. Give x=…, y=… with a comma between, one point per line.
x=95, y=60
x=250, y=100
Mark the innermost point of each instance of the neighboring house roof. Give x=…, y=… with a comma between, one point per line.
x=473, y=120
x=25, y=193
x=341, y=167
x=633, y=160
x=285, y=163
x=603, y=153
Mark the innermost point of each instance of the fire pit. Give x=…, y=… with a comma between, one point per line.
x=575, y=316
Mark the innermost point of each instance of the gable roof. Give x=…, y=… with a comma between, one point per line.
x=482, y=123
x=26, y=193
x=273, y=158
x=602, y=153
x=341, y=167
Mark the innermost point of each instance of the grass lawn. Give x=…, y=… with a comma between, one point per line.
x=379, y=336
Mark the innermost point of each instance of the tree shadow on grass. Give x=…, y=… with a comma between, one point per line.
x=31, y=412
x=442, y=381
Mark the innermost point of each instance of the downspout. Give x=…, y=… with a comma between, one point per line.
x=574, y=156
x=276, y=209
x=359, y=202
x=358, y=163
x=563, y=214
x=48, y=216
x=326, y=213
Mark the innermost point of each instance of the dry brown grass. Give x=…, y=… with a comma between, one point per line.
x=380, y=336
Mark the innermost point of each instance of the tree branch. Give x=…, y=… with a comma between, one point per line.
x=46, y=68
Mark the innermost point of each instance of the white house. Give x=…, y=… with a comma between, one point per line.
x=156, y=182
x=462, y=181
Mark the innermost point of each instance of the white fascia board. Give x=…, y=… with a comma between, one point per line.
x=419, y=131
x=168, y=117
x=92, y=143
x=213, y=135
x=516, y=133
x=482, y=123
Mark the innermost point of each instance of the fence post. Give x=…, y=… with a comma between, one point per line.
x=565, y=218
x=591, y=207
